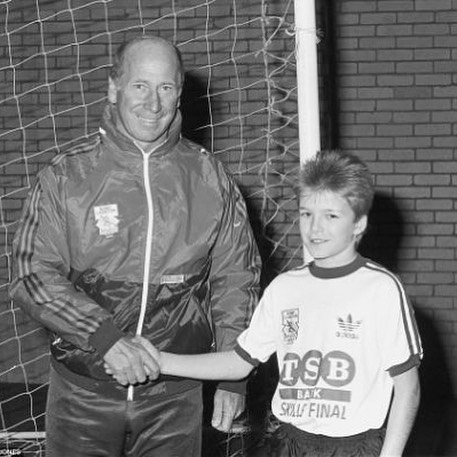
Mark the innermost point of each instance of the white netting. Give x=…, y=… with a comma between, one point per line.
x=240, y=102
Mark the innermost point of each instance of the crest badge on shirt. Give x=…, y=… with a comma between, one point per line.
x=107, y=219
x=290, y=325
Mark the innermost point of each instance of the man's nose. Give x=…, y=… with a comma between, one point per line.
x=152, y=101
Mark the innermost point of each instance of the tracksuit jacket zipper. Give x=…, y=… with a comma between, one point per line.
x=148, y=248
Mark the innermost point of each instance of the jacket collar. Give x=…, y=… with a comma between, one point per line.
x=111, y=135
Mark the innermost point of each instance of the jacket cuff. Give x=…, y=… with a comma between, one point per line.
x=105, y=337
x=237, y=387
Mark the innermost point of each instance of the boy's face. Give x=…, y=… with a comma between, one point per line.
x=328, y=227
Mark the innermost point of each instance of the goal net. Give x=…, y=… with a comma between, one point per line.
x=239, y=102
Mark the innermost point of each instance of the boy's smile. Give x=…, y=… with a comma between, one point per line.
x=328, y=227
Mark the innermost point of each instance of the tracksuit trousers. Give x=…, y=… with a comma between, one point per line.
x=156, y=423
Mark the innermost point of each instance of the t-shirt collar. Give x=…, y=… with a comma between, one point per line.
x=337, y=272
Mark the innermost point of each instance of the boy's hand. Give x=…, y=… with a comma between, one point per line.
x=227, y=407
x=153, y=352
x=131, y=360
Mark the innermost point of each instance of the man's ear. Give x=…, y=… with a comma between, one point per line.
x=179, y=95
x=112, y=91
x=360, y=226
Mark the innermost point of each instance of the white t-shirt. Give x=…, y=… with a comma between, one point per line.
x=339, y=335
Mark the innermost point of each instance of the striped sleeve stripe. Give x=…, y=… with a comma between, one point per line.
x=65, y=310
x=30, y=223
x=35, y=288
x=32, y=283
x=82, y=148
x=29, y=228
x=409, y=323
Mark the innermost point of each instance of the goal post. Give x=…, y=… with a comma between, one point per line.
x=307, y=78
x=307, y=83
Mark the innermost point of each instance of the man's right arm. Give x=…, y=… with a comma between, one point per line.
x=40, y=284
x=41, y=267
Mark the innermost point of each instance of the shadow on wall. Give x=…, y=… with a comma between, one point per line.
x=384, y=235
x=381, y=243
x=195, y=110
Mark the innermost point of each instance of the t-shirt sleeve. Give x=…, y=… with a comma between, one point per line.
x=258, y=342
x=399, y=339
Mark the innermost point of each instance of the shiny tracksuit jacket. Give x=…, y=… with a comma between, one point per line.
x=114, y=242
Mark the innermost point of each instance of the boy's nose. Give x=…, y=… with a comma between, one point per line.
x=316, y=224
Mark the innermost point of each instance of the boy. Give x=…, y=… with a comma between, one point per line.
x=342, y=329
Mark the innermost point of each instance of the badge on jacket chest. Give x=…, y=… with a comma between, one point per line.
x=107, y=219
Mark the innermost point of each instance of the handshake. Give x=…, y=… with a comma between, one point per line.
x=132, y=360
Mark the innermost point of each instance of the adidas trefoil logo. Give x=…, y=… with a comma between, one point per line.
x=348, y=327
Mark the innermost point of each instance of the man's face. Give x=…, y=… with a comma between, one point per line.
x=328, y=227
x=147, y=93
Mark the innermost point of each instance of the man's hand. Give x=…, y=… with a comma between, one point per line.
x=227, y=406
x=131, y=360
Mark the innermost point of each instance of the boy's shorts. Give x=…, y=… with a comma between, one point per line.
x=289, y=441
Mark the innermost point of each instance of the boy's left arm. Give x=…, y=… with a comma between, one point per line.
x=402, y=413
x=234, y=277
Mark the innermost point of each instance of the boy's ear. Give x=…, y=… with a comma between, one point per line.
x=112, y=91
x=360, y=226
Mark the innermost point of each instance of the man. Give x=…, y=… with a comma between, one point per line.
x=135, y=237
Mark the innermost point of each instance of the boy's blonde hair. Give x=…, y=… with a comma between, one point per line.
x=339, y=172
